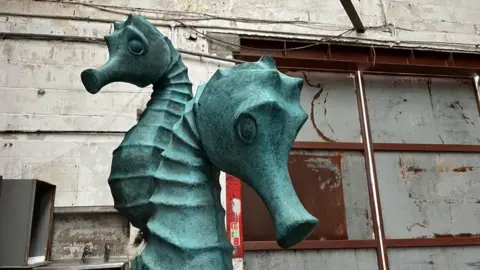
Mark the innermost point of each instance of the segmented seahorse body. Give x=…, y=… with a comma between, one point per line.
x=187, y=204
x=136, y=160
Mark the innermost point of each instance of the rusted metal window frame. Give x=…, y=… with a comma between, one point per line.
x=371, y=60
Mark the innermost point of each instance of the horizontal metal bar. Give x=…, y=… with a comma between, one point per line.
x=312, y=244
x=394, y=147
x=328, y=146
x=369, y=59
x=433, y=242
x=363, y=244
x=417, y=147
x=365, y=67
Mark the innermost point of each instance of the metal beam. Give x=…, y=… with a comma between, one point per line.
x=353, y=15
x=367, y=58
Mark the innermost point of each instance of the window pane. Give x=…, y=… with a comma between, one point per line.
x=331, y=185
x=445, y=258
x=331, y=104
x=422, y=110
x=429, y=194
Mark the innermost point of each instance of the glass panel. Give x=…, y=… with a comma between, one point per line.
x=445, y=258
x=331, y=185
x=347, y=259
x=331, y=104
x=429, y=194
x=422, y=110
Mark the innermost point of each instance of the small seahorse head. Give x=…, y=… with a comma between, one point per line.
x=248, y=117
x=139, y=54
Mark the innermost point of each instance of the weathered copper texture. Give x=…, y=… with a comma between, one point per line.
x=165, y=173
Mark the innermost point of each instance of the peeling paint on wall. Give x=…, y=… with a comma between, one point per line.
x=429, y=194
x=422, y=110
x=312, y=260
x=331, y=185
x=445, y=258
x=331, y=103
x=73, y=231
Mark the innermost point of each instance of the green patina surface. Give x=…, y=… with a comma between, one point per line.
x=164, y=176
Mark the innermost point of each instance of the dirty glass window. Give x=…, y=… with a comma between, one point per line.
x=331, y=185
x=331, y=104
x=422, y=110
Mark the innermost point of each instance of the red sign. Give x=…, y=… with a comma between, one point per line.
x=234, y=214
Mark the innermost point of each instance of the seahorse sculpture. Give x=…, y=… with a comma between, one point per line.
x=141, y=55
x=243, y=121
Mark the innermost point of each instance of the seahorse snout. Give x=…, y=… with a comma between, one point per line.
x=91, y=81
x=292, y=222
x=95, y=79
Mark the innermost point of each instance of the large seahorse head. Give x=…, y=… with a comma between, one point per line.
x=139, y=54
x=248, y=117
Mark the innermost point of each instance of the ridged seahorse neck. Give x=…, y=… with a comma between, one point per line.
x=187, y=229
x=136, y=160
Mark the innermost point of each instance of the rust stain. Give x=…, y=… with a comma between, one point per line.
x=318, y=181
x=338, y=157
x=402, y=167
x=309, y=173
x=414, y=169
x=442, y=168
x=455, y=235
x=463, y=169
x=312, y=108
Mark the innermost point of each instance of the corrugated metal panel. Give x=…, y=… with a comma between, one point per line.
x=311, y=260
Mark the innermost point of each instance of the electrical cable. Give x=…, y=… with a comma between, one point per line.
x=191, y=14
x=261, y=49
x=356, y=38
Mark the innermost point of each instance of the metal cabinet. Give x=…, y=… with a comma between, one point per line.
x=26, y=222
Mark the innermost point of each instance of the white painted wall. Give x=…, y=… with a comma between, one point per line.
x=82, y=162
x=28, y=66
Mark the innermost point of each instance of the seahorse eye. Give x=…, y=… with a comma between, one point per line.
x=246, y=128
x=135, y=47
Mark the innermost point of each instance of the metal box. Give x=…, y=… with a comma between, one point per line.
x=26, y=222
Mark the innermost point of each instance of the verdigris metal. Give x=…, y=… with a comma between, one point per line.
x=243, y=121
x=141, y=55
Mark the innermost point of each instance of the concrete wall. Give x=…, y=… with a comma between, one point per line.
x=41, y=88
x=41, y=91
